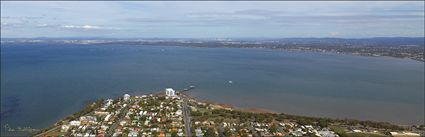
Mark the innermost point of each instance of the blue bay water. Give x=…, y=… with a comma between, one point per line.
x=41, y=84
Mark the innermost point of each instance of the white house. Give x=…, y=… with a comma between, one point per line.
x=170, y=92
x=179, y=112
x=199, y=133
x=126, y=97
x=109, y=102
x=74, y=123
x=107, y=117
x=132, y=134
x=65, y=128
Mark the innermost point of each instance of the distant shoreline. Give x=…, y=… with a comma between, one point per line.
x=411, y=48
x=262, y=110
x=271, y=49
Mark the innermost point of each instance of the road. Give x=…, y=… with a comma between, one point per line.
x=111, y=130
x=186, y=116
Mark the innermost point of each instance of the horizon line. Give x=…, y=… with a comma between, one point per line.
x=209, y=37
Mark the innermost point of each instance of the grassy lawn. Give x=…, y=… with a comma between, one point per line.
x=343, y=133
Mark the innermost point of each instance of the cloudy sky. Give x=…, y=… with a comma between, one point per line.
x=212, y=19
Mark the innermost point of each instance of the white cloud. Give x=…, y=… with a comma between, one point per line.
x=88, y=27
x=42, y=25
x=81, y=27
x=209, y=19
x=5, y=25
x=335, y=33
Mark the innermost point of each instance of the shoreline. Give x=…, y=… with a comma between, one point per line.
x=267, y=111
x=263, y=48
x=229, y=108
x=325, y=108
x=223, y=106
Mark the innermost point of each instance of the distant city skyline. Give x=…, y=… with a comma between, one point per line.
x=220, y=19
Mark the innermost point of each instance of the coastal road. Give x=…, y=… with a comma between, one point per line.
x=186, y=116
x=111, y=130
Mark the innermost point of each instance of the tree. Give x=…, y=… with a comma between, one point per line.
x=227, y=132
x=173, y=133
x=273, y=128
x=323, y=123
x=210, y=133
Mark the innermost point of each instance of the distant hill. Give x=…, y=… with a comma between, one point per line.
x=378, y=41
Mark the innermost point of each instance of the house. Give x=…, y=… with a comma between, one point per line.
x=402, y=134
x=64, y=128
x=179, y=112
x=107, y=117
x=90, y=119
x=126, y=97
x=132, y=134
x=199, y=133
x=161, y=134
x=109, y=102
x=327, y=133
x=75, y=123
x=170, y=92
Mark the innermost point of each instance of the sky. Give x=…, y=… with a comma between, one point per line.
x=212, y=19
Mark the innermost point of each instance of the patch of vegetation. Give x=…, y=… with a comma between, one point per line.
x=343, y=133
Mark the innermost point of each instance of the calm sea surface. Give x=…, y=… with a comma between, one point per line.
x=41, y=84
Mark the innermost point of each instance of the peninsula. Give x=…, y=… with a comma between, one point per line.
x=174, y=113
